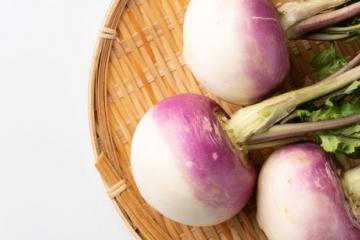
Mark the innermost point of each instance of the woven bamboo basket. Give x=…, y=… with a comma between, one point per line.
x=137, y=63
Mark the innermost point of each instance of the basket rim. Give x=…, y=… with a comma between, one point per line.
x=116, y=6
x=93, y=74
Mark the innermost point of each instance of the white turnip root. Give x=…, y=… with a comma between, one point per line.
x=237, y=49
x=300, y=196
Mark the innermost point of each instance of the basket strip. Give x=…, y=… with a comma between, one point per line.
x=199, y=234
x=128, y=80
x=142, y=218
x=117, y=189
x=211, y=233
x=187, y=233
x=225, y=230
x=172, y=229
x=152, y=73
x=108, y=33
x=169, y=44
x=108, y=173
x=145, y=224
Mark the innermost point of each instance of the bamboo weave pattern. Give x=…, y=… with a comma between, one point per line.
x=138, y=63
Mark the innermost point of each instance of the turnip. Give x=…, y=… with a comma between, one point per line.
x=184, y=164
x=189, y=158
x=301, y=196
x=237, y=48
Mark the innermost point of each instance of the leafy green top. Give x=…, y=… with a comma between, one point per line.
x=341, y=104
x=327, y=62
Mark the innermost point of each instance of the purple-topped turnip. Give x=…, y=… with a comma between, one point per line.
x=187, y=157
x=237, y=48
x=300, y=196
x=184, y=164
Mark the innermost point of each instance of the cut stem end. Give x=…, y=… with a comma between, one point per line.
x=351, y=184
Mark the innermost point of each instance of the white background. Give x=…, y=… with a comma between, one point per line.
x=49, y=188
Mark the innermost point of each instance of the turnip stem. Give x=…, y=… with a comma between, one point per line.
x=285, y=131
x=343, y=29
x=353, y=63
x=328, y=36
x=352, y=38
x=276, y=143
x=296, y=11
x=260, y=117
x=291, y=116
x=323, y=20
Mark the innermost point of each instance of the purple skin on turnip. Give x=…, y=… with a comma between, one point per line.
x=187, y=154
x=300, y=196
x=190, y=162
x=238, y=48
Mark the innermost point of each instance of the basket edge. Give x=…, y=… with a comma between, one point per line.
x=93, y=76
x=91, y=99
